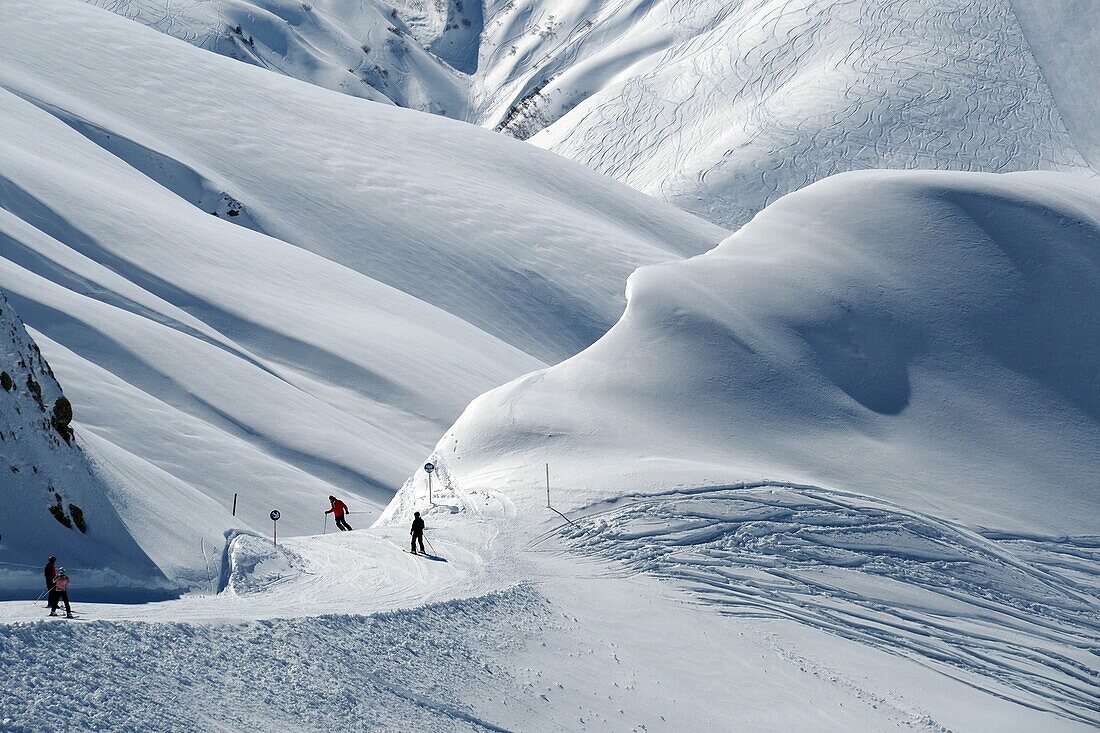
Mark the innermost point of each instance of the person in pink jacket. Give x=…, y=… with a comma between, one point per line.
x=61, y=587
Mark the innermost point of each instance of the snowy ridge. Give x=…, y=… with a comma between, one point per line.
x=886, y=333
x=836, y=474
x=717, y=107
x=399, y=54
x=751, y=100
x=55, y=503
x=911, y=356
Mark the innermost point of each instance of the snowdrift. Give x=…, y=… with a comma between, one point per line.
x=925, y=338
x=54, y=502
x=250, y=285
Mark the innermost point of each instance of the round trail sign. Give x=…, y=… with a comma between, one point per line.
x=429, y=467
x=275, y=515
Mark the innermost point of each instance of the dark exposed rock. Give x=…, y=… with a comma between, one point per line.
x=62, y=417
x=58, y=512
x=6, y=381
x=78, y=518
x=36, y=391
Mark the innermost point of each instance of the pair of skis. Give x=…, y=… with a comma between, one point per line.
x=426, y=555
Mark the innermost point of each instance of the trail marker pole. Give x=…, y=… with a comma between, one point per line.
x=428, y=468
x=275, y=525
x=234, y=503
x=547, y=485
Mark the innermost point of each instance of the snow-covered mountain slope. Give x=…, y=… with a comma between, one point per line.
x=870, y=414
x=717, y=107
x=367, y=272
x=54, y=502
x=1064, y=37
x=924, y=338
x=397, y=54
x=748, y=101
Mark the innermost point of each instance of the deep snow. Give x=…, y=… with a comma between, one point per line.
x=870, y=412
x=926, y=338
x=382, y=269
x=847, y=603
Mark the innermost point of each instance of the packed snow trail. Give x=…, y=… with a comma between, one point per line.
x=863, y=569
x=406, y=670
x=350, y=632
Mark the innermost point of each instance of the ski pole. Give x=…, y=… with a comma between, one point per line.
x=430, y=545
x=326, y=523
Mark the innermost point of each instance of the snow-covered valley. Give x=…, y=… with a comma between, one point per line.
x=718, y=107
x=835, y=470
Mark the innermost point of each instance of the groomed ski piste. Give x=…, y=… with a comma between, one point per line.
x=668, y=611
x=837, y=473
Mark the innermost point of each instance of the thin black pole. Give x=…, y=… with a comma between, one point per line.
x=234, y=503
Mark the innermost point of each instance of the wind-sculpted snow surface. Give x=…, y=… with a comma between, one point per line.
x=54, y=501
x=925, y=338
x=896, y=580
x=719, y=107
x=294, y=292
x=1064, y=37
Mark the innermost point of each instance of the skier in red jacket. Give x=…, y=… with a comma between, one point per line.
x=338, y=510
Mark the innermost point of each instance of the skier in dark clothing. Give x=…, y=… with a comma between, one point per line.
x=50, y=572
x=338, y=510
x=417, y=533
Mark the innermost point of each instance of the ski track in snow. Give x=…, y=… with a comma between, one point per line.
x=405, y=670
x=998, y=612
x=767, y=98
